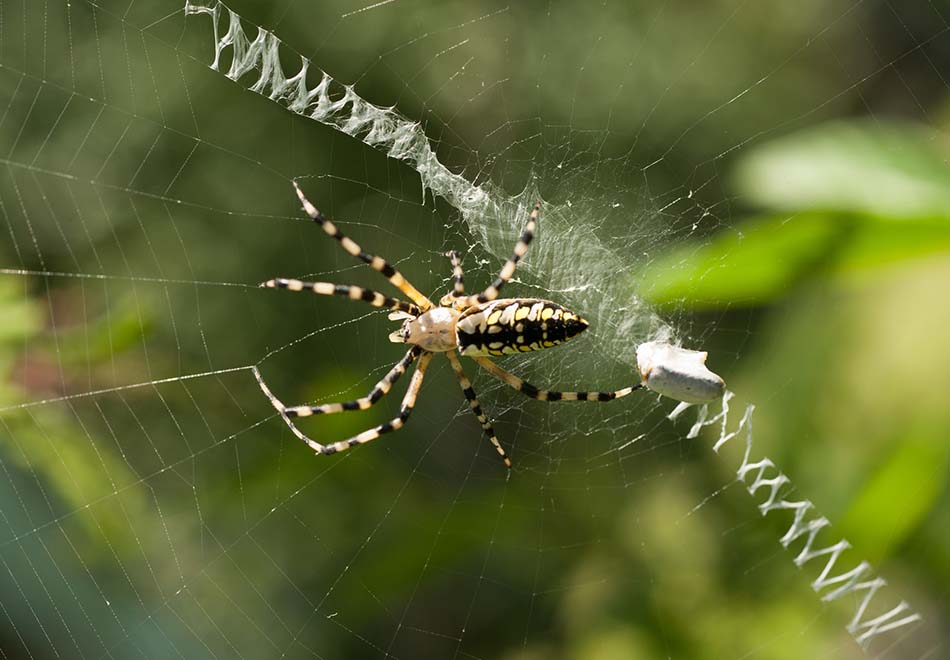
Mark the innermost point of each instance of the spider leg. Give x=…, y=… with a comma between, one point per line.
x=378, y=392
x=458, y=279
x=374, y=298
x=469, y=393
x=408, y=401
x=521, y=247
x=549, y=395
x=378, y=264
x=458, y=276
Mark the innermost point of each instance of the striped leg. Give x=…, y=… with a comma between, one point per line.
x=521, y=247
x=374, y=298
x=378, y=392
x=378, y=264
x=458, y=279
x=549, y=395
x=469, y=393
x=408, y=401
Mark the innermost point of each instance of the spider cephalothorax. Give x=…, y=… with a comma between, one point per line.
x=476, y=326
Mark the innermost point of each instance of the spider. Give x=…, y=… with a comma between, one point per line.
x=475, y=326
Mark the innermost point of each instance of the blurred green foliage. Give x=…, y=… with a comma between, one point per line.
x=841, y=197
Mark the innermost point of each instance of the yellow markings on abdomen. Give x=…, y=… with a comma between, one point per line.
x=515, y=325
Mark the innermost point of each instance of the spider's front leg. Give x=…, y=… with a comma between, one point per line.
x=408, y=403
x=377, y=263
x=381, y=388
x=374, y=298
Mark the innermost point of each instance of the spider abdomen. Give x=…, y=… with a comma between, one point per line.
x=515, y=325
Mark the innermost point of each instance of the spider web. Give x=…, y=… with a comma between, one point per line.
x=153, y=505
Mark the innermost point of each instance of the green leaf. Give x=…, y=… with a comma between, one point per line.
x=898, y=496
x=750, y=264
x=762, y=259
x=890, y=170
x=878, y=242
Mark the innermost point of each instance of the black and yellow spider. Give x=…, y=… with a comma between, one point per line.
x=475, y=326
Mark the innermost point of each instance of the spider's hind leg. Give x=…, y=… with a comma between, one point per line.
x=530, y=390
x=469, y=393
x=508, y=270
